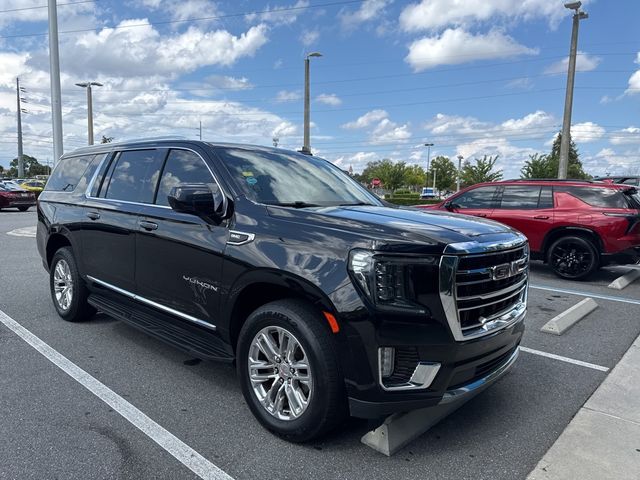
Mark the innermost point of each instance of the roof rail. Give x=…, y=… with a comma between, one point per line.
x=548, y=180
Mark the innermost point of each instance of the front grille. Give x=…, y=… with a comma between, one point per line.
x=480, y=296
x=484, y=291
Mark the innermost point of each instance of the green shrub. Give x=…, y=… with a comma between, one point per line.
x=411, y=201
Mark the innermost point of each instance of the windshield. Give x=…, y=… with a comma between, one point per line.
x=292, y=179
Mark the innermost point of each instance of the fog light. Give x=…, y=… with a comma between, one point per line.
x=386, y=357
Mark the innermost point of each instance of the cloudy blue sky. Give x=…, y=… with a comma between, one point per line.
x=474, y=77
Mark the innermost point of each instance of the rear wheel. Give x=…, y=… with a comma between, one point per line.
x=68, y=291
x=289, y=372
x=573, y=258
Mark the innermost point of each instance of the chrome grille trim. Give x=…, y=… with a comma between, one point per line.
x=459, y=315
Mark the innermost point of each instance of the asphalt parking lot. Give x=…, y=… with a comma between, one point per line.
x=53, y=427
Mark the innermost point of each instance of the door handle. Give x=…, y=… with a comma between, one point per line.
x=93, y=215
x=148, y=225
x=541, y=217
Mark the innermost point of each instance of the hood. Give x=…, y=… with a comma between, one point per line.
x=400, y=225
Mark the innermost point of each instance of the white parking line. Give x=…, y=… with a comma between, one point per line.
x=564, y=359
x=586, y=294
x=172, y=444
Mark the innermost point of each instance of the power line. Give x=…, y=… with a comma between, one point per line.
x=45, y=6
x=198, y=19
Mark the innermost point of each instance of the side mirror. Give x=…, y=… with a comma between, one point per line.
x=196, y=199
x=449, y=205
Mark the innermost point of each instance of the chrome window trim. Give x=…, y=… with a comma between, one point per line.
x=159, y=306
x=225, y=200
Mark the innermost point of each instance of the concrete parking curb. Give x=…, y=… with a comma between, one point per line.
x=625, y=280
x=603, y=439
x=564, y=321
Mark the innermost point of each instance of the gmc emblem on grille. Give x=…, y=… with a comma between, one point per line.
x=506, y=270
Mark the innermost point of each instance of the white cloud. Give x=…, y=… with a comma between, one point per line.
x=226, y=82
x=626, y=136
x=448, y=127
x=357, y=160
x=435, y=14
x=329, y=99
x=584, y=63
x=183, y=9
x=455, y=46
x=287, y=96
x=309, y=37
x=389, y=132
x=366, y=120
x=369, y=10
x=586, y=132
x=143, y=51
x=511, y=157
x=634, y=80
x=536, y=120
x=277, y=15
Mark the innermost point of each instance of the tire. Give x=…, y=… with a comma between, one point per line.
x=24, y=208
x=68, y=291
x=573, y=258
x=324, y=390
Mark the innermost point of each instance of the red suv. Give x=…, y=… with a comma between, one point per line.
x=574, y=226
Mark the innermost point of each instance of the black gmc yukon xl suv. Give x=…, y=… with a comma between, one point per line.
x=328, y=300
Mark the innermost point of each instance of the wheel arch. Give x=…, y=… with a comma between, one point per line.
x=261, y=287
x=559, y=232
x=55, y=242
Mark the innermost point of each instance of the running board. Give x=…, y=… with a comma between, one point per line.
x=199, y=341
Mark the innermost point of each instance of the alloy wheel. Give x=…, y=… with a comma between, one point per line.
x=572, y=259
x=63, y=284
x=280, y=373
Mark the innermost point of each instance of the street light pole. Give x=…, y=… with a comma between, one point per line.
x=88, y=85
x=428, y=145
x=306, y=147
x=565, y=141
x=54, y=74
x=460, y=157
x=20, y=159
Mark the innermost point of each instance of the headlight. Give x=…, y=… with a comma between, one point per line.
x=391, y=281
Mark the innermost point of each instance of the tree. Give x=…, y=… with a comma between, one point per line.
x=481, y=172
x=445, y=171
x=392, y=175
x=1, y=170
x=415, y=176
x=538, y=166
x=546, y=166
x=106, y=139
x=31, y=167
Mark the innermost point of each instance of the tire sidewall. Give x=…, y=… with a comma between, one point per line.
x=588, y=244
x=307, y=423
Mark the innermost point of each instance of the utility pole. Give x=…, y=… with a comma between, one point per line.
x=565, y=141
x=88, y=86
x=460, y=157
x=428, y=145
x=306, y=147
x=54, y=68
x=20, y=159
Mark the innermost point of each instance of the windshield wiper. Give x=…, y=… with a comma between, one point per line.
x=297, y=204
x=356, y=204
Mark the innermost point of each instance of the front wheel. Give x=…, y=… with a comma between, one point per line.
x=289, y=371
x=68, y=291
x=573, y=258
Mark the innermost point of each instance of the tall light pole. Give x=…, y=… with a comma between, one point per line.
x=568, y=99
x=54, y=74
x=306, y=147
x=460, y=158
x=88, y=86
x=19, y=90
x=428, y=145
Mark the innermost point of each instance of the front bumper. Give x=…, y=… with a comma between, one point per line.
x=467, y=368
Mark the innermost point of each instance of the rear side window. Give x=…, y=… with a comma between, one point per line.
x=597, y=196
x=182, y=166
x=68, y=172
x=133, y=176
x=481, y=197
x=520, y=197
